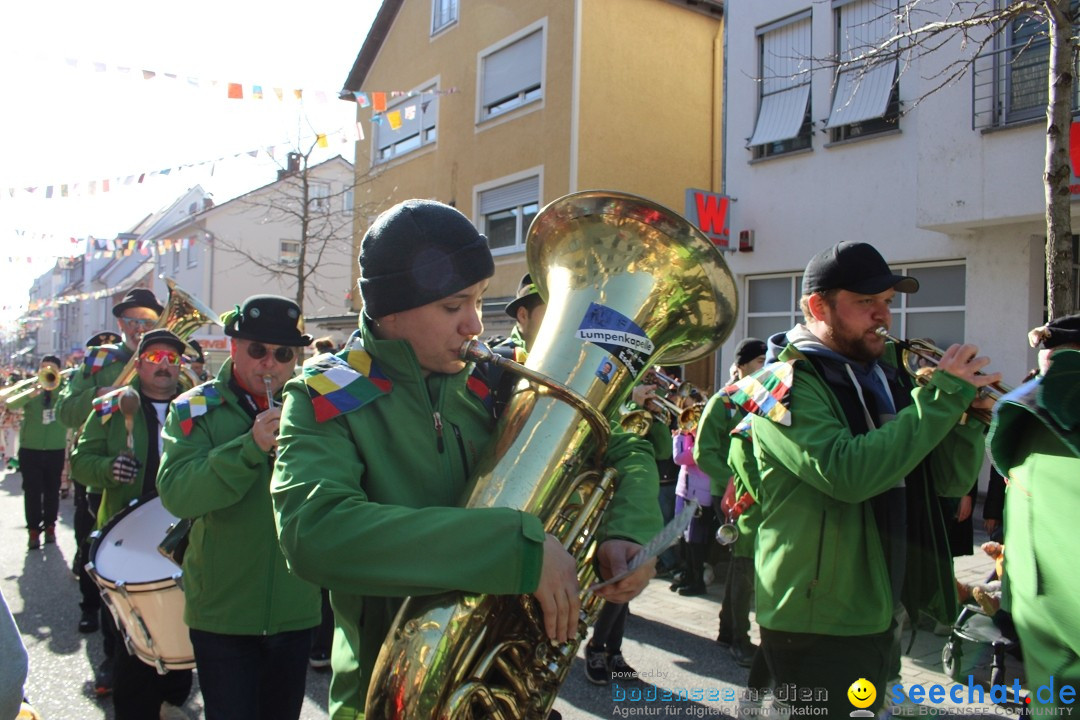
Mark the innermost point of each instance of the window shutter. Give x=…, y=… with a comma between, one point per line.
x=521, y=192
x=513, y=68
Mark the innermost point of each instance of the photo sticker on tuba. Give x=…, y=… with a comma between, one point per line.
x=618, y=334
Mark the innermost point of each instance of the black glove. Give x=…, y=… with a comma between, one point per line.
x=125, y=468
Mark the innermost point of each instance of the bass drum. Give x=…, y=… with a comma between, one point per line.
x=141, y=587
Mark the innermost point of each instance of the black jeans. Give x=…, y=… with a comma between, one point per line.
x=86, y=506
x=138, y=689
x=735, y=610
x=252, y=677
x=825, y=666
x=610, y=627
x=41, y=470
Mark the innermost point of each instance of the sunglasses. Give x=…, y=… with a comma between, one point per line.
x=139, y=322
x=161, y=357
x=282, y=354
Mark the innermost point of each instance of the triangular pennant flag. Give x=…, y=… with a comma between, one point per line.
x=148, y=74
x=280, y=93
x=394, y=118
x=256, y=92
x=298, y=94
x=320, y=140
x=361, y=99
x=378, y=101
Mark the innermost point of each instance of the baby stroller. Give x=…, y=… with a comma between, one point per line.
x=974, y=639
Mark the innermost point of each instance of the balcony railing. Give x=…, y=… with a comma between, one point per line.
x=1009, y=85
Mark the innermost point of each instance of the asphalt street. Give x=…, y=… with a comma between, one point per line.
x=669, y=640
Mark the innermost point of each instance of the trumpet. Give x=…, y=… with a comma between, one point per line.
x=920, y=358
x=48, y=378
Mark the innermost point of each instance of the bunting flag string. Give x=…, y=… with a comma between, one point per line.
x=234, y=90
x=351, y=133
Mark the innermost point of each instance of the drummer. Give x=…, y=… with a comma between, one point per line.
x=123, y=464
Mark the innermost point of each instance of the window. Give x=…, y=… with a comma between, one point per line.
x=866, y=100
x=407, y=125
x=174, y=250
x=192, y=256
x=506, y=212
x=935, y=312
x=512, y=74
x=443, y=14
x=319, y=196
x=348, y=200
x=290, y=253
x=783, y=121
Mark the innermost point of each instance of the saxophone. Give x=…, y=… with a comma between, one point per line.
x=629, y=284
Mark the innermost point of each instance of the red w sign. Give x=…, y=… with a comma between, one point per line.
x=710, y=213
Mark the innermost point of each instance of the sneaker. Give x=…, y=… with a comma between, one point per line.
x=50, y=534
x=619, y=669
x=35, y=540
x=103, y=679
x=319, y=660
x=88, y=623
x=596, y=666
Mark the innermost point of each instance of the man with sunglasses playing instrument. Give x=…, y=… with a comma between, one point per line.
x=103, y=459
x=135, y=314
x=250, y=619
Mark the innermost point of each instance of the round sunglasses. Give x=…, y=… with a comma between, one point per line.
x=282, y=354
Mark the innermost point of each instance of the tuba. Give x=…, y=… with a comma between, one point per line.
x=628, y=282
x=183, y=315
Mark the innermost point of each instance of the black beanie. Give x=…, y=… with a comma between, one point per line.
x=749, y=349
x=417, y=252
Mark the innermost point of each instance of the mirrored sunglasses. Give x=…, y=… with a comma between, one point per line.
x=282, y=354
x=161, y=357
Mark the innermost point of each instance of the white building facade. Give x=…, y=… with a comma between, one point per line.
x=946, y=183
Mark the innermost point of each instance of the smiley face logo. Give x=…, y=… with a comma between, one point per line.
x=862, y=694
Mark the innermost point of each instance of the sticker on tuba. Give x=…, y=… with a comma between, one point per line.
x=618, y=334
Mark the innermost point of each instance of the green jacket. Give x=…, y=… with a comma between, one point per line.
x=98, y=446
x=1035, y=443
x=40, y=428
x=723, y=455
x=101, y=367
x=235, y=578
x=367, y=502
x=819, y=563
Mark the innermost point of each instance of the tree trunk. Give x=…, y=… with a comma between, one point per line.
x=1056, y=180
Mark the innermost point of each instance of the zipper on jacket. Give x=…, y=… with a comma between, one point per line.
x=820, y=549
x=461, y=446
x=438, y=430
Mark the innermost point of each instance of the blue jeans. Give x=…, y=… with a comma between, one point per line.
x=252, y=677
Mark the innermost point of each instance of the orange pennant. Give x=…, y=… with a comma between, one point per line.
x=236, y=91
x=378, y=101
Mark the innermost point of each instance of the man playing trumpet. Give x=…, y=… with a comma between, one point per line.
x=120, y=457
x=250, y=618
x=851, y=460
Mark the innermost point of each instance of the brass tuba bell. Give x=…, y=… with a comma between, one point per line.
x=594, y=255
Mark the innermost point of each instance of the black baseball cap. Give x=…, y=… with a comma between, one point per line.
x=162, y=336
x=856, y=267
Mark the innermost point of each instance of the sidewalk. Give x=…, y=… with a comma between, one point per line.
x=923, y=665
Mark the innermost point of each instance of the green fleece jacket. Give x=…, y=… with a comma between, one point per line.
x=819, y=563
x=1035, y=443
x=235, y=578
x=99, y=445
x=367, y=502
x=40, y=429
x=722, y=455
x=102, y=366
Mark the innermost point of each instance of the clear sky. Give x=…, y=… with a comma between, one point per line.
x=72, y=116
